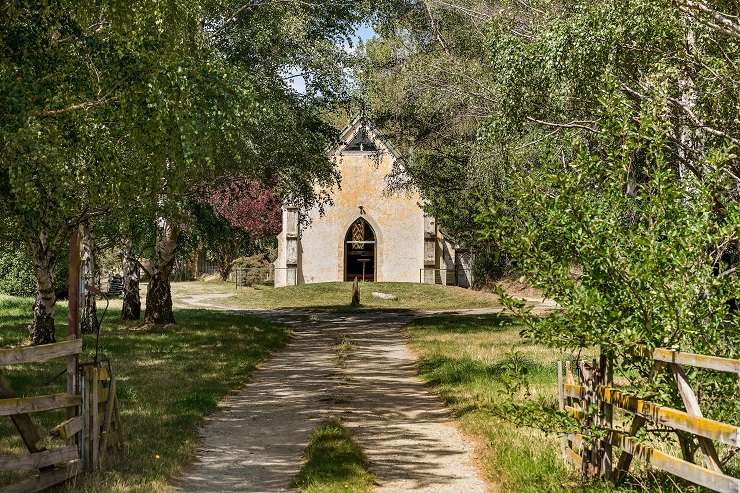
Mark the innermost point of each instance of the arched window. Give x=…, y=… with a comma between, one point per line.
x=359, y=251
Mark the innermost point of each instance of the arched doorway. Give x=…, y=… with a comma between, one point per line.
x=359, y=251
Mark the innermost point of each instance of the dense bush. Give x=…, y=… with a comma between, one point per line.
x=16, y=273
x=490, y=264
x=253, y=270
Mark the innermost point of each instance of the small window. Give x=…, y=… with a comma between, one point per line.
x=361, y=142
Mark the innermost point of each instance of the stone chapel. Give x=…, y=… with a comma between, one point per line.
x=368, y=232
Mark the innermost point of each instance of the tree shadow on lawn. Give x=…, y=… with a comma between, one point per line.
x=461, y=324
x=168, y=379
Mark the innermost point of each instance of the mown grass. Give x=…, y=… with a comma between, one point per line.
x=338, y=295
x=169, y=378
x=467, y=360
x=334, y=463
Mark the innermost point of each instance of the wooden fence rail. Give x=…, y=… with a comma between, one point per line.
x=85, y=436
x=595, y=391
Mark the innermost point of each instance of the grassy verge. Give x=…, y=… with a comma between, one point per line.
x=168, y=380
x=334, y=463
x=466, y=359
x=337, y=296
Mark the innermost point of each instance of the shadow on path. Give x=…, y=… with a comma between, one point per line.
x=256, y=440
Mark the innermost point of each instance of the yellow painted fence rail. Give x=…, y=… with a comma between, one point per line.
x=595, y=390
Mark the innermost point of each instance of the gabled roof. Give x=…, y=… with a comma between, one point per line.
x=361, y=131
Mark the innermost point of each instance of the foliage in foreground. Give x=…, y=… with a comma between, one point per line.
x=635, y=254
x=334, y=463
x=109, y=112
x=595, y=145
x=168, y=380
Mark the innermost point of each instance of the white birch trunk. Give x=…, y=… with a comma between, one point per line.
x=42, y=326
x=131, y=299
x=159, y=295
x=89, y=315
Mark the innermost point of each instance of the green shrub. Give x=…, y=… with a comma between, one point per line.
x=490, y=264
x=16, y=272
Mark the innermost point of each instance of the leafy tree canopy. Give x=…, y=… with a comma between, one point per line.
x=596, y=144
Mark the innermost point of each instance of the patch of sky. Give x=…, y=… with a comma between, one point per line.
x=362, y=33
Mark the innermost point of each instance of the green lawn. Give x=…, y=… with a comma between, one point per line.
x=334, y=463
x=468, y=360
x=169, y=378
x=337, y=295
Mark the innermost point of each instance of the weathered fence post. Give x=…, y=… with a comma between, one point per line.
x=561, y=404
x=73, y=319
x=598, y=398
x=355, y=293
x=90, y=426
x=606, y=410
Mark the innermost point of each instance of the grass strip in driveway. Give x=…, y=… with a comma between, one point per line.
x=169, y=378
x=334, y=463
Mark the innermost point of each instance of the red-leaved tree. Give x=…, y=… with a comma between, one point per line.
x=236, y=215
x=248, y=205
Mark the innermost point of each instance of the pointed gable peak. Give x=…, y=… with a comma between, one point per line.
x=362, y=136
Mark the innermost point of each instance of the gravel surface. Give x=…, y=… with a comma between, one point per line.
x=355, y=367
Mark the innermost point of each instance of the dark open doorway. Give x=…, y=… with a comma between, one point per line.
x=359, y=252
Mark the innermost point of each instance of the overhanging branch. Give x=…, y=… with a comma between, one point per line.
x=582, y=124
x=723, y=22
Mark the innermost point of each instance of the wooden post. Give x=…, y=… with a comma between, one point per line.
x=606, y=375
x=90, y=426
x=591, y=460
x=355, y=293
x=561, y=393
x=561, y=404
x=84, y=412
x=73, y=316
x=108, y=420
x=625, y=458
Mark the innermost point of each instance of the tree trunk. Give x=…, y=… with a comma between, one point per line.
x=159, y=300
x=131, y=300
x=159, y=296
x=89, y=315
x=42, y=326
x=225, y=263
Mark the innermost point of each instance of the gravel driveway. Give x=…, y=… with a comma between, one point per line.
x=355, y=367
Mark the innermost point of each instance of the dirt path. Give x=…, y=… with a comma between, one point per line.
x=255, y=442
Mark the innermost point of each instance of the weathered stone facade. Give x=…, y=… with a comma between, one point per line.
x=367, y=229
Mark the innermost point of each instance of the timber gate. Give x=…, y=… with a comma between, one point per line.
x=90, y=421
x=587, y=394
